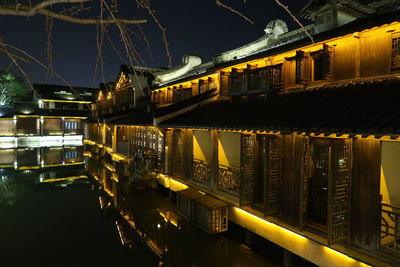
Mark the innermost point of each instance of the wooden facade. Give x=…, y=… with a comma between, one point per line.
x=324, y=185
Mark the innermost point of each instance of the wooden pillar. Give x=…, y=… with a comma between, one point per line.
x=214, y=158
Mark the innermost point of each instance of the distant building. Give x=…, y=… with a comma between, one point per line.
x=300, y=137
x=53, y=118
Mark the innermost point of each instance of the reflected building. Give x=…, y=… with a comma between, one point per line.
x=159, y=226
x=25, y=169
x=54, y=118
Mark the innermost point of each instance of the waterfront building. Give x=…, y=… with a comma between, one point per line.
x=298, y=132
x=54, y=117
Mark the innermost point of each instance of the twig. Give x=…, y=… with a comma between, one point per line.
x=28, y=11
x=286, y=8
x=219, y=3
x=146, y=5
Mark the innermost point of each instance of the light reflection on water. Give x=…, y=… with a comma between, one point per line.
x=40, y=141
x=52, y=214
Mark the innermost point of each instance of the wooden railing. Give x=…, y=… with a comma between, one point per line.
x=202, y=171
x=228, y=180
x=256, y=81
x=390, y=227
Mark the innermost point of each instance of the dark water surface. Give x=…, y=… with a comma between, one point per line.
x=57, y=217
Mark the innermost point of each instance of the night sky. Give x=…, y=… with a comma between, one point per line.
x=193, y=26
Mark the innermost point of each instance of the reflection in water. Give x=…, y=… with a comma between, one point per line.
x=51, y=214
x=139, y=211
x=22, y=169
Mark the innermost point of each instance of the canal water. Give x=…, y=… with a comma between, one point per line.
x=52, y=213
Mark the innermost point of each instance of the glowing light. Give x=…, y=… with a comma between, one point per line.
x=114, y=176
x=298, y=244
x=70, y=178
x=68, y=101
x=109, y=167
x=111, y=194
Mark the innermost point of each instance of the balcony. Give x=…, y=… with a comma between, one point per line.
x=390, y=227
x=256, y=81
x=202, y=171
x=228, y=180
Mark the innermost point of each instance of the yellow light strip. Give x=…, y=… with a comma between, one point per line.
x=95, y=177
x=87, y=154
x=109, y=167
x=170, y=183
x=168, y=218
x=65, y=164
x=114, y=176
x=90, y=142
x=28, y=168
x=187, y=83
x=119, y=157
x=67, y=101
x=298, y=244
x=64, y=179
x=7, y=166
x=109, y=192
x=108, y=149
x=27, y=116
x=60, y=117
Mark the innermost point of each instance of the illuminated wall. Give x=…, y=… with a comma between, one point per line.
x=202, y=145
x=6, y=127
x=229, y=149
x=390, y=173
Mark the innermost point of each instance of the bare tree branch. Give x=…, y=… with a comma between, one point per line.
x=286, y=8
x=29, y=11
x=146, y=5
x=4, y=50
x=219, y=3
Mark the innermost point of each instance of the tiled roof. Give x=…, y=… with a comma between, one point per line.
x=133, y=118
x=62, y=92
x=354, y=108
x=297, y=41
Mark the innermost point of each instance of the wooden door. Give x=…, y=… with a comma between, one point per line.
x=339, y=191
x=247, y=172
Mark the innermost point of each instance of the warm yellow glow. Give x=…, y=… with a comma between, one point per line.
x=95, y=176
x=67, y=101
x=64, y=179
x=86, y=141
x=108, y=149
x=87, y=154
x=186, y=84
x=298, y=244
x=170, y=183
x=114, y=176
x=111, y=194
x=66, y=117
x=28, y=167
x=279, y=58
x=27, y=116
x=63, y=164
x=100, y=97
x=109, y=166
x=110, y=95
x=169, y=217
x=122, y=81
x=7, y=166
x=119, y=157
